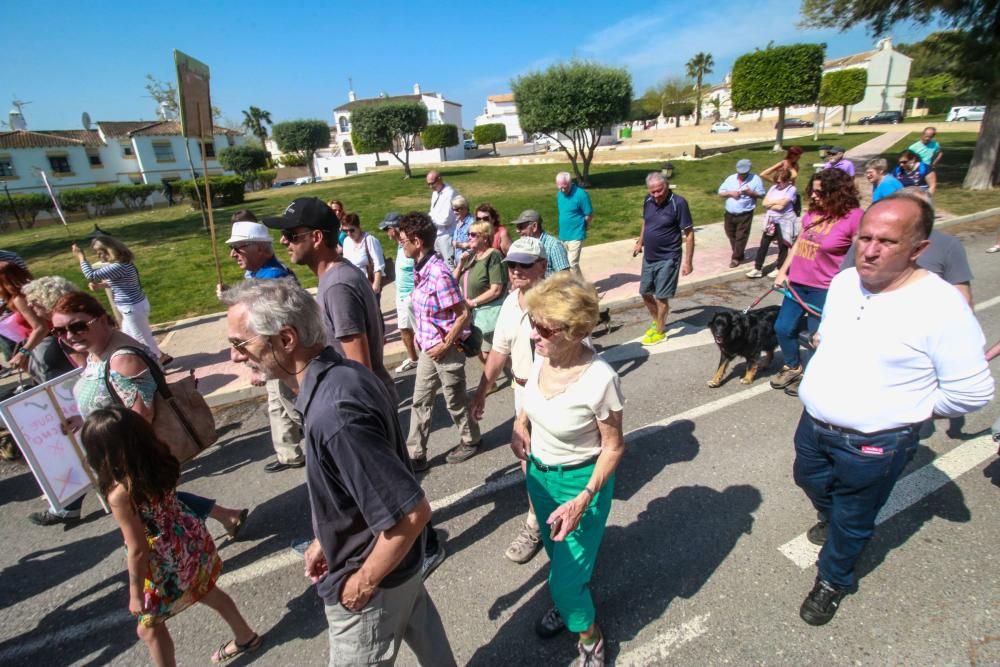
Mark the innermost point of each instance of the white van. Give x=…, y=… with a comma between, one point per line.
x=966, y=113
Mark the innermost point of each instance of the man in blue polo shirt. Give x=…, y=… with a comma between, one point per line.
x=666, y=222
x=575, y=216
x=740, y=192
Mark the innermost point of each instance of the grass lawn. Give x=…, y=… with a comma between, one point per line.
x=950, y=196
x=930, y=118
x=174, y=257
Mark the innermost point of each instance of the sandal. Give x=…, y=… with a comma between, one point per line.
x=234, y=530
x=222, y=655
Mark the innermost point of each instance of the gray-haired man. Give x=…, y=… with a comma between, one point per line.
x=368, y=510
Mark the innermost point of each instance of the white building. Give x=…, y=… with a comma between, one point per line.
x=340, y=159
x=888, y=73
x=501, y=109
x=115, y=152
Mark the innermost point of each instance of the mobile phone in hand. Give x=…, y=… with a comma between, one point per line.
x=554, y=528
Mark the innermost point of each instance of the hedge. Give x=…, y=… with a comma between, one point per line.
x=28, y=205
x=439, y=136
x=226, y=190
x=134, y=196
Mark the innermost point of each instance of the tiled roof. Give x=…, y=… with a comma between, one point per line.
x=148, y=128
x=49, y=138
x=847, y=61
x=350, y=106
x=503, y=97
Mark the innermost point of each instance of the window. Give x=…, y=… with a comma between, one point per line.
x=60, y=164
x=344, y=125
x=432, y=117
x=7, y=167
x=127, y=151
x=348, y=149
x=94, y=158
x=209, y=148
x=163, y=151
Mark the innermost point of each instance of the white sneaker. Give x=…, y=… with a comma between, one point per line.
x=754, y=273
x=772, y=273
x=407, y=365
x=993, y=249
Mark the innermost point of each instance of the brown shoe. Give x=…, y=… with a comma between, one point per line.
x=524, y=547
x=733, y=264
x=786, y=377
x=463, y=452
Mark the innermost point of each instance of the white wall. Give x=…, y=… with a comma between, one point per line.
x=27, y=162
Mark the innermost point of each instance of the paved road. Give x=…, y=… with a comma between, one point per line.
x=702, y=562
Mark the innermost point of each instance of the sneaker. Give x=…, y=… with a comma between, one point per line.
x=419, y=463
x=590, y=656
x=785, y=377
x=432, y=560
x=772, y=273
x=654, y=338
x=550, y=624
x=650, y=331
x=277, y=465
x=47, y=518
x=821, y=603
x=817, y=534
x=754, y=273
x=463, y=452
x=407, y=365
x=993, y=248
x=524, y=547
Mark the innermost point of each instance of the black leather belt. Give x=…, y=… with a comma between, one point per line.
x=851, y=431
x=572, y=466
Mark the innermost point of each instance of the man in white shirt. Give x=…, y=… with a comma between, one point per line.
x=442, y=216
x=897, y=346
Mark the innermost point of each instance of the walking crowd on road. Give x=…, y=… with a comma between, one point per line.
x=883, y=299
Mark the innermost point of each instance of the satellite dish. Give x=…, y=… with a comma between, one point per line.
x=85, y=120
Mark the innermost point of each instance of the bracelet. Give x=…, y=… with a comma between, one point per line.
x=25, y=351
x=589, y=492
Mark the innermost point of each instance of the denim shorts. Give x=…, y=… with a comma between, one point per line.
x=659, y=278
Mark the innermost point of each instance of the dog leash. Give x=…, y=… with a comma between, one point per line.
x=809, y=308
x=757, y=300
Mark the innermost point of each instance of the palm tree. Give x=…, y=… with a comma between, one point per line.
x=697, y=68
x=254, y=120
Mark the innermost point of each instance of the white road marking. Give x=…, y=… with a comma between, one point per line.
x=908, y=491
x=656, y=651
x=989, y=303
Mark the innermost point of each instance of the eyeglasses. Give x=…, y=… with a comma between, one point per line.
x=484, y=218
x=544, y=332
x=474, y=235
x=349, y=230
x=241, y=248
x=459, y=210
x=240, y=345
x=520, y=265
x=291, y=238
x=75, y=328
x=521, y=225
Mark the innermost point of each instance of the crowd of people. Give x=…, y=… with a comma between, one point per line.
x=465, y=289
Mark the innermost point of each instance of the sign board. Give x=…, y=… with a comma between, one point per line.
x=34, y=419
x=195, y=101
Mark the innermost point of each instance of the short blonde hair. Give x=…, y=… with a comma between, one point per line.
x=483, y=228
x=567, y=301
x=46, y=291
x=117, y=251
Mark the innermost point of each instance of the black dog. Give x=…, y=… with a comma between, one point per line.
x=750, y=336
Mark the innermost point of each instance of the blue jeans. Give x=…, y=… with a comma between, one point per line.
x=789, y=321
x=848, y=477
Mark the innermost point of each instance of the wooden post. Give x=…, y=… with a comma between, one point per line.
x=208, y=192
x=79, y=451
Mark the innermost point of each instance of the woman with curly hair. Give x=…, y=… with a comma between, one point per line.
x=500, y=239
x=828, y=228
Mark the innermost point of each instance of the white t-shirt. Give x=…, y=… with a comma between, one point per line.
x=512, y=335
x=896, y=358
x=360, y=254
x=564, y=428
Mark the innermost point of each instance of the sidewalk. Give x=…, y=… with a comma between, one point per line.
x=201, y=343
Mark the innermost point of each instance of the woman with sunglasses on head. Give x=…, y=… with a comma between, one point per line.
x=81, y=323
x=482, y=278
x=35, y=353
x=120, y=275
x=827, y=230
x=570, y=434
x=500, y=239
x=363, y=251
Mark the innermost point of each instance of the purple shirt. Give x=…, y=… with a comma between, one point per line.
x=435, y=291
x=844, y=165
x=821, y=247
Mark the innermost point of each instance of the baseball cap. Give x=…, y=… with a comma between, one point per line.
x=245, y=231
x=391, y=219
x=743, y=166
x=525, y=250
x=306, y=212
x=530, y=215
x=835, y=149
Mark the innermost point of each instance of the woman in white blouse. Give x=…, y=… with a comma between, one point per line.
x=570, y=433
x=363, y=250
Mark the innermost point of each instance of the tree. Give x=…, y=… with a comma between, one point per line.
x=716, y=103
x=440, y=136
x=164, y=93
x=936, y=74
x=302, y=136
x=245, y=159
x=394, y=125
x=574, y=104
x=361, y=145
x=490, y=133
x=677, y=98
x=254, y=120
x=843, y=88
x=978, y=47
x=697, y=68
x=778, y=76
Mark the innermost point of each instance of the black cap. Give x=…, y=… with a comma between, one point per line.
x=306, y=212
x=391, y=220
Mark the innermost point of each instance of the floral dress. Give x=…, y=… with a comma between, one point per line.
x=183, y=563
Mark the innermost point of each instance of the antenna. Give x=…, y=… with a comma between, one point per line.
x=85, y=120
x=16, y=115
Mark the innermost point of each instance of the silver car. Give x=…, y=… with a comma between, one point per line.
x=966, y=113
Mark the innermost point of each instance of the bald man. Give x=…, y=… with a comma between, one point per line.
x=897, y=346
x=442, y=215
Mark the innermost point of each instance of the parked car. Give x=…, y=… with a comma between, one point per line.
x=306, y=180
x=282, y=184
x=966, y=113
x=723, y=126
x=470, y=144
x=795, y=122
x=883, y=117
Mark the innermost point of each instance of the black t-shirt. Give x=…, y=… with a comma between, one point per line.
x=357, y=469
x=661, y=237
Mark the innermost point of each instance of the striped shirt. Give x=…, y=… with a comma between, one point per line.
x=8, y=256
x=123, y=279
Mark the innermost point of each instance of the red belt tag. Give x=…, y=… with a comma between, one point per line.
x=868, y=449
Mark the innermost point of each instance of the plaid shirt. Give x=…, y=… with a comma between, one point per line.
x=555, y=254
x=435, y=291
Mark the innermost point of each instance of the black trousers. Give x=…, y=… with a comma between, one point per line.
x=738, y=230
x=765, y=243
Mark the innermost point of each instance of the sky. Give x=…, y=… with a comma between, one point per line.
x=294, y=58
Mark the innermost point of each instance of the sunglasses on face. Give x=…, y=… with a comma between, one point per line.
x=473, y=235
x=484, y=218
x=544, y=332
x=290, y=237
x=241, y=248
x=459, y=210
x=75, y=328
x=349, y=230
x=240, y=345
x=520, y=265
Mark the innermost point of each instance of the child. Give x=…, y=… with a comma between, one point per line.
x=172, y=561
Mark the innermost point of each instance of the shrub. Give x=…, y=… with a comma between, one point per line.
x=265, y=178
x=439, y=136
x=76, y=200
x=226, y=190
x=292, y=160
x=103, y=198
x=134, y=196
x=490, y=133
x=28, y=205
x=244, y=159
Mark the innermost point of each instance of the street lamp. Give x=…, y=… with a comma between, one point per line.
x=668, y=170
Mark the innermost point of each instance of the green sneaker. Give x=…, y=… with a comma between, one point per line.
x=650, y=331
x=654, y=338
